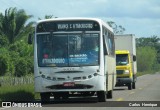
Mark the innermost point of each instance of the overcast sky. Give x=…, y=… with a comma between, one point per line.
x=139, y=17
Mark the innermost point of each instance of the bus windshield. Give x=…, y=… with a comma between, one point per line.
x=68, y=49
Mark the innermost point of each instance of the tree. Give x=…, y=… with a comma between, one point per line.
x=6, y=65
x=3, y=41
x=13, y=24
x=117, y=29
x=16, y=56
x=47, y=17
x=152, y=41
x=146, y=58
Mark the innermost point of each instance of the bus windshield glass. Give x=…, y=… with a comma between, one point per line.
x=121, y=59
x=68, y=49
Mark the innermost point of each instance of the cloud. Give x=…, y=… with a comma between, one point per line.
x=137, y=16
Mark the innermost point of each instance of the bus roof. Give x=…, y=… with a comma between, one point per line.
x=101, y=22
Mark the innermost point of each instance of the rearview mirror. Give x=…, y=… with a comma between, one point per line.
x=134, y=58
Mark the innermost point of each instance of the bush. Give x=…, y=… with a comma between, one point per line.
x=4, y=61
x=21, y=55
x=3, y=41
x=21, y=67
x=16, y=59
x=4, y=66
x=146, y=58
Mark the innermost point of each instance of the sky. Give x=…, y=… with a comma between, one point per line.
x=139, y=17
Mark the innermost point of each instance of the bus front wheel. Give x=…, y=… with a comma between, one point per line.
x=101, y=96
x=45, y=97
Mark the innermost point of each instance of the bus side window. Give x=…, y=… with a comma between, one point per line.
x=111, y=43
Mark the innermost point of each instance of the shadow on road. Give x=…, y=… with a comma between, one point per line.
x=120, y=88
x=69, y=101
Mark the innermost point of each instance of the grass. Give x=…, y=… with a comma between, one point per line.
x=18, y=93
x=145, y=72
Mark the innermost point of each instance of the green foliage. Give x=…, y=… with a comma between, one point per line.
x=4, y=66
x=47, y=17
x=148, y=53
x=22, y=57
x=16, y=60
x=3, y=41
x=13, y=24
x=16, y=56
x=152, y=41
x=21, y=67
x=146, y=58
x=18, y=93
x=4, y=61
x=22, y=48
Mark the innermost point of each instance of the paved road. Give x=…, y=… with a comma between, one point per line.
x=147, y=89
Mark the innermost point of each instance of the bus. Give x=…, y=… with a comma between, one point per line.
x=74, y=57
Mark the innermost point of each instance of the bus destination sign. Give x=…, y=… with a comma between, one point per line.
x=75, y=26
x=55, y=26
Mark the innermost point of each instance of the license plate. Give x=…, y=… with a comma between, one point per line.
x=68, y=84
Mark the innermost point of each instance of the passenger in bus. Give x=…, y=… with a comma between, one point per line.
x=47, y=51
x=95, y=46
x=93, y=51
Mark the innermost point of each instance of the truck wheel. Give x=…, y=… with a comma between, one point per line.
x=134, y=85
x=101, y=96
x=130, y=86
x=110, y=94
x=45, y=97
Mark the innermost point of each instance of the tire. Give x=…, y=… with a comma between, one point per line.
x=134, y=85
x=101, y=96
x=45, y=97
x=130, y=86
x=110, y=94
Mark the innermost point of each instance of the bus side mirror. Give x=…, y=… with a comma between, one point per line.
x=134, y=58
x=30, y=39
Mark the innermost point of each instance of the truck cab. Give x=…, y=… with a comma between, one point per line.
x=124, y=69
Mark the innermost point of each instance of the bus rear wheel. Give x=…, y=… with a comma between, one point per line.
x=101, y=96
x=110, y=94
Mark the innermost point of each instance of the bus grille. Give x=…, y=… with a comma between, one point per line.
x=77, y=86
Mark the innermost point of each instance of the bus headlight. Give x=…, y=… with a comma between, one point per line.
x=126, y=71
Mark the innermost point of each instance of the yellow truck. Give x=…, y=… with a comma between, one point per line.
x=126, y=65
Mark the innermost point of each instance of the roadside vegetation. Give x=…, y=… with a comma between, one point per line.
x=148, y=55
x=16, y=56
x=23, y=92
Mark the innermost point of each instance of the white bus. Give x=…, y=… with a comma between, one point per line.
x=74, y=57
